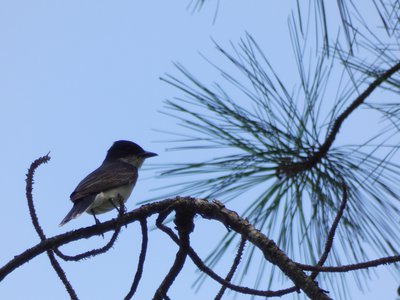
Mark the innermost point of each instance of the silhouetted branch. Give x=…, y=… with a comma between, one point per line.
x=180, y=258
x=202, y=267
x=184, y=223
x=206, y=209
x=356, y=103
x=98, y=251
x=309, y=162
x=186, y=208
x=200, y=206
x=352, y=267
x=54, y=263
x=92, y=252
x=29, y=189
x=142, y=257
x=61, y=274
x=332, y=231
x=232, y=271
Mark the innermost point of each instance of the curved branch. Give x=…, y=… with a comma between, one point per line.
x=82, y=233
x=332, y=231
x=232, y=271
x=312, y=160
x=213, y=210
x=356, y=103
x=35, y=221
x=29, y=188
x=202, y=267
x=89, y=253
x=352, y=267
x=142, y=257
x=97, y=251
x=185, y=225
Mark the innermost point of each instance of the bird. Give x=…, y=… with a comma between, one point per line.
x=102, y=190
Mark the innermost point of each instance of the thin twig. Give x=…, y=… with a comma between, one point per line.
x=352, y=267
x=234, y=266
x=29, y=197
x=356, y=103
x=35, y=221
x=142, y=257
x=202, y=267
x=311, y=161
x=331, y=234
x=92, y=252
x=207, y=210
x=61, y=274
x=184, y=222
x=162, y=290
x=98, y=251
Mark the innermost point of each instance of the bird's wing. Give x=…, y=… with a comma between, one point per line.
x=107, y=176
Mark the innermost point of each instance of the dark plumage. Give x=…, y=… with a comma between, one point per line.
x=100, y=191
x=124, y=148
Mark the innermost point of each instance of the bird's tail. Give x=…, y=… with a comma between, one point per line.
x=79, y=207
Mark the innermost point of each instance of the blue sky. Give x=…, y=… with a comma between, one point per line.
x=76, y=76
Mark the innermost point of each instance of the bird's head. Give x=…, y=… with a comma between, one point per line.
x=128, y=152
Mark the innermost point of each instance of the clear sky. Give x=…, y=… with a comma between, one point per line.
x=76, y=76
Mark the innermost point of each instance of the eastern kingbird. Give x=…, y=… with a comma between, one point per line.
x=100, y=191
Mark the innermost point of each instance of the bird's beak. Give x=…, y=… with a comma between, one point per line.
x=147, y=154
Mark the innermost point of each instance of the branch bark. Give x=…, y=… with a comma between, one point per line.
x=209, y=210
